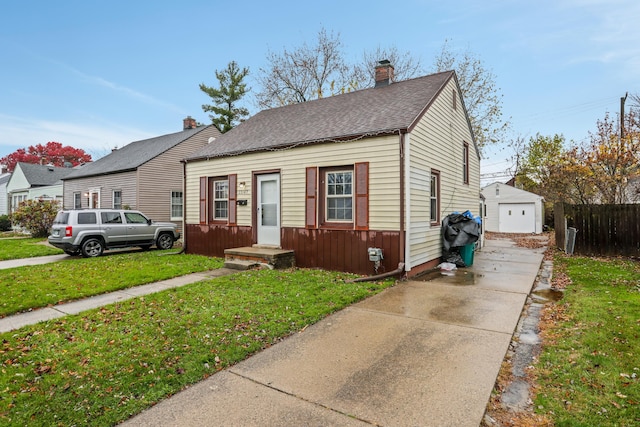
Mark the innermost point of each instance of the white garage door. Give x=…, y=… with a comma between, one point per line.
x=517, y=217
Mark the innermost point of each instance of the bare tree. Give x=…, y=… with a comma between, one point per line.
x=481, y=96
x=304, y=73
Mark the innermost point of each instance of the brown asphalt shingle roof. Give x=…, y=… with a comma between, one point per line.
x=365, y=112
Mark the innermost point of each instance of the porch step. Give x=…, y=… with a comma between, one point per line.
x=247, y=257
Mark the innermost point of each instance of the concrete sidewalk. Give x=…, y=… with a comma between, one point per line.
x=423, y=353
x=16, y=321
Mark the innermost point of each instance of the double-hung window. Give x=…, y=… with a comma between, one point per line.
x=339, y=196
x=220, y=199
x=465, y=163
x=77, y=200
x=434, y=199
x=176, y=205
x=117, y=199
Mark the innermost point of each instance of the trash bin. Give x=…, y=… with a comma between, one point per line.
x=466, y=252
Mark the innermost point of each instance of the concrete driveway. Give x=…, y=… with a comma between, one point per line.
x=423, y=353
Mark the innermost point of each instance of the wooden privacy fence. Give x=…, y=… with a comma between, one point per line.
x=601, y=229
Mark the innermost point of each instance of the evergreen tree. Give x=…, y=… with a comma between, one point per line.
x=226, y=112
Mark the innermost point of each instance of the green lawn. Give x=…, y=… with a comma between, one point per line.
x=15, y=248
x=589, y=371
x=37, y=286
x=103, y=366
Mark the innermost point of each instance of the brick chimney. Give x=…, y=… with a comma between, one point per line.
x=189, y=123
x=384, y=73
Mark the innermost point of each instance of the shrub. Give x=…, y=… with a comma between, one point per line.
x=36, y=216
x=5, y=223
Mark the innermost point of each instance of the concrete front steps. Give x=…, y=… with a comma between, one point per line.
x=254, y=256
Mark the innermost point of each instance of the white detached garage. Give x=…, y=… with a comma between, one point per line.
x=512, y=210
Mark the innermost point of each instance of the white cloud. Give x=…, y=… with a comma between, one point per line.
x=96, y=140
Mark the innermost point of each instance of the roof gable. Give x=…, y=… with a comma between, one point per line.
x=368, y=112
x=42, y=175
x=134, y=154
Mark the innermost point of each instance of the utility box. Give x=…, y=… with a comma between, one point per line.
x=375, y=254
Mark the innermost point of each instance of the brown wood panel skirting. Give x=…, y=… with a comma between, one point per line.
x=213, y=239
x=342, y=250
x=336, y=250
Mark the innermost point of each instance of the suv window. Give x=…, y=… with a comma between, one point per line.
x=135, y=218
x=87, y=218
x=62, y=218
x=111, y=217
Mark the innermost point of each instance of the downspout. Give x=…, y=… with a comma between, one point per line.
x=405, y=193
x=399, y=270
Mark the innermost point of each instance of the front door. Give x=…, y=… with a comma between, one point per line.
x=268, y=209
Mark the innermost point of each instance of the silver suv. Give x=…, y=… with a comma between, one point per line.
x=90, y=231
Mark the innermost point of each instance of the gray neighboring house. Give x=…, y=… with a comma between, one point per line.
x=30, y=182
x=146, y=175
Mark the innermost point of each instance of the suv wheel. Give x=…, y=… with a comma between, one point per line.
x=92, y=247
x=165, y=241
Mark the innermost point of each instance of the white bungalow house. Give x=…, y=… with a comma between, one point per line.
x=330, y=178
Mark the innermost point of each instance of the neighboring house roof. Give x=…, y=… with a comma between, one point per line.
x=368, y=112
x=133, y=155
x=4, y=178
x=509, y=191
x=43, y=175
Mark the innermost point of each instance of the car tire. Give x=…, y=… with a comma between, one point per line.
x=92, y=247
x=165, y=241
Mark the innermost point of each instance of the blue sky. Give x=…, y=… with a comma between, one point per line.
x=95, y=75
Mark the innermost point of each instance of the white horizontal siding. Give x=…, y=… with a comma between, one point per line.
x=437, y=142
x=382, y=153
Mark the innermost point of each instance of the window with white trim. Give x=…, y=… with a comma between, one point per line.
x=220, y=199
x=339, y=196
x=465, y=163
x=176, y=205
x=117, y=199
x=434, y=202
x=77, y=200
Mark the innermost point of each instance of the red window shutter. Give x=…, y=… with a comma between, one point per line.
x=233, y=195
x=362, y=196
x=203, y=200
x=311, y=199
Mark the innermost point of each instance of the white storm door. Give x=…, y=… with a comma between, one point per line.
x=269, y=209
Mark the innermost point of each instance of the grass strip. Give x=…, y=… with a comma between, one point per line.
x=103, y=366
x=15, y=248
x=30, y=287
x=589, y=371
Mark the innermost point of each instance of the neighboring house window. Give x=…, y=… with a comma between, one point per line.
x=434, y=206
x=77, y=200
x=176, y=204
x=220, y=199
x=117, y=199
x=339, y=196
x=94, y=198
x=16, y=200
x=465, y=163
